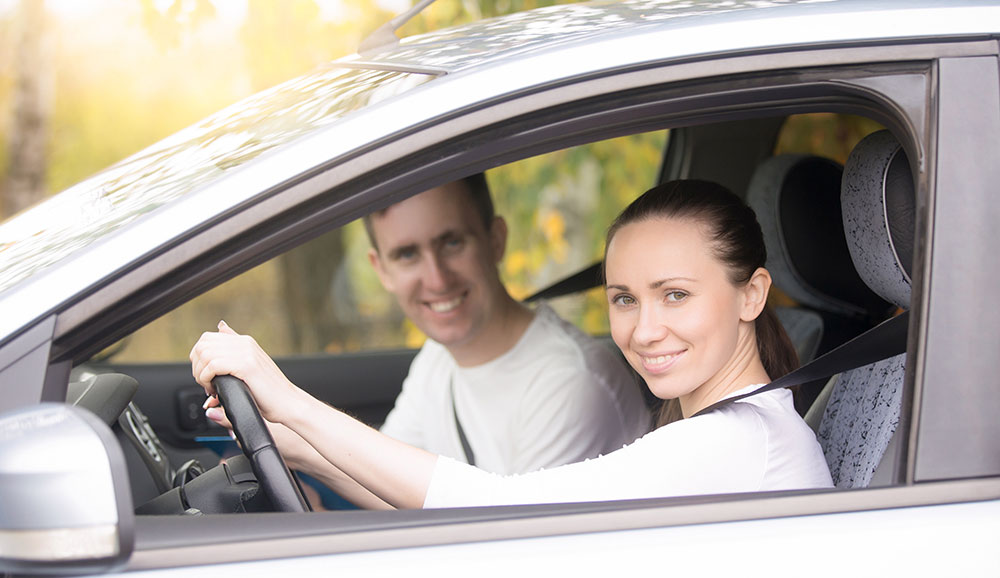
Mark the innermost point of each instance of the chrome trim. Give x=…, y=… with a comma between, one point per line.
x=54, y=545
x=390, y=67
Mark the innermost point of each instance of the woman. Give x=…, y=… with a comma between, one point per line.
x=687, y=291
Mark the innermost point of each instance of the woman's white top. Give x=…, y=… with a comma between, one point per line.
x=755, y=444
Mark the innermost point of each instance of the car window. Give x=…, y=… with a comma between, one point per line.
x=826, y=134
x=324, y=297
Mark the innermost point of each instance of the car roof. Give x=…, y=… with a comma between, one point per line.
x=81, y=237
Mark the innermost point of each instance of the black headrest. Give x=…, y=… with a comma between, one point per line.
x=797, y=201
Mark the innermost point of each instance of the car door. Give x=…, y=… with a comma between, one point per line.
x=941, y=101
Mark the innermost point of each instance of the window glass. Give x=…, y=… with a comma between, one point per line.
x=826, y=134
x=323, y=297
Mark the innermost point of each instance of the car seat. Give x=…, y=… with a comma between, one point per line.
x=797, y=202
x=878, y=200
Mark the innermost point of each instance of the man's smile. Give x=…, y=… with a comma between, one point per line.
x=446, y=305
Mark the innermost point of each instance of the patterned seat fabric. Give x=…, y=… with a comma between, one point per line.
x=861, y=416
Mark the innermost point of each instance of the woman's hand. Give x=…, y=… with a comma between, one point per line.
x=298, y=454
x=363, y=465
x=229, y=353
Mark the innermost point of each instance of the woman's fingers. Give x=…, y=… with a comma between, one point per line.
x=218, y=415
x=226, y=352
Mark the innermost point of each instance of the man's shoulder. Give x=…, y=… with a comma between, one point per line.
x=591, y=351
x=431, y=359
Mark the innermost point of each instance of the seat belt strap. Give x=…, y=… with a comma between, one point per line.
x=579, y=281
x=883, y=341
x=469, y=455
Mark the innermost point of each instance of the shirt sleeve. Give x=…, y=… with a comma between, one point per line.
x=705, y=455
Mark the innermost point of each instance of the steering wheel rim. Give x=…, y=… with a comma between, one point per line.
x=258, y=445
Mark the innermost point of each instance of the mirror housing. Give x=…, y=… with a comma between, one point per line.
x=65, y=502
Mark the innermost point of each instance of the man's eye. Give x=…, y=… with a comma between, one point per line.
x=454, y=243
x=406, y=254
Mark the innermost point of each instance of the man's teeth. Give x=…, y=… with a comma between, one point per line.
x=445, y=306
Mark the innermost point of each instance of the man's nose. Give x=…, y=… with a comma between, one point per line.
x=437, y=275
x=650, y=327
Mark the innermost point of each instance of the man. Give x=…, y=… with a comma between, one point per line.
x=497, y=384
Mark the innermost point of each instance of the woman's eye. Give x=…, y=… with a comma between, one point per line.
x=623, y=300
x=675, y=296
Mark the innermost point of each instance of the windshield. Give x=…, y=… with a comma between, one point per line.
x=186, y=161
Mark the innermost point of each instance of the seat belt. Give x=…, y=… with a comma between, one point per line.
x=885, y=340
x=579, y=281
x=470, y=457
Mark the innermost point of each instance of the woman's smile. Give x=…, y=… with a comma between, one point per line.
x=655, y=364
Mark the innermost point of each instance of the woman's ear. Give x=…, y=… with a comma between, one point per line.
x=755, y=294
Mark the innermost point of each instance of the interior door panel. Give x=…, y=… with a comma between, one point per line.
x=362, y=384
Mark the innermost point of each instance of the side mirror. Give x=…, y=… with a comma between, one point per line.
x=65, y=503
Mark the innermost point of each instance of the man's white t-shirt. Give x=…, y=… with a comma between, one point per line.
x=756, y=444
x=557, y=397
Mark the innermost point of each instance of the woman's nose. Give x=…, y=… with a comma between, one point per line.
x=650, y=326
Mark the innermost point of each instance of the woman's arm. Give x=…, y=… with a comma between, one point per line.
x=398, y=474
x=301, y=456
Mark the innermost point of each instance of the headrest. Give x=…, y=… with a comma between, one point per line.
x=797, y=201
x=880, y=215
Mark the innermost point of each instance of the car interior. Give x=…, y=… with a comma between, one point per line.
x=840, y=269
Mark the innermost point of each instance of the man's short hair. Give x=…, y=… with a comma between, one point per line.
x=478, y=191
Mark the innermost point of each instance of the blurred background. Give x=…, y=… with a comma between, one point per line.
x=84, y=84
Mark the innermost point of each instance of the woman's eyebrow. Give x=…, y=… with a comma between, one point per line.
x=662, y=282
x=653, y=285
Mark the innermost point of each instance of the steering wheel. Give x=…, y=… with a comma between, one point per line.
x=258, y=445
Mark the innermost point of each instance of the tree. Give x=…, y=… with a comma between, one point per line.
x=282, y=40
x=31, y=106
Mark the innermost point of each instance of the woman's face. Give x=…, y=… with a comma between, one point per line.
x=674, y=312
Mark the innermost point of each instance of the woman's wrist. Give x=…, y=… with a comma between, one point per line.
x=293, y=405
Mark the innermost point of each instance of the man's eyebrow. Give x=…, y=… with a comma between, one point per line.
x=446, y=236
x=397, y=252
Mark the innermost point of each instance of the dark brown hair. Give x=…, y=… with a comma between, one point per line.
x=737, y=241
x=478, y=191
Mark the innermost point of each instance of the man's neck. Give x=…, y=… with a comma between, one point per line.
x=508, y=325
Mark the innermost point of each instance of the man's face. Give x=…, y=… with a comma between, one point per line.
x=439, y=260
